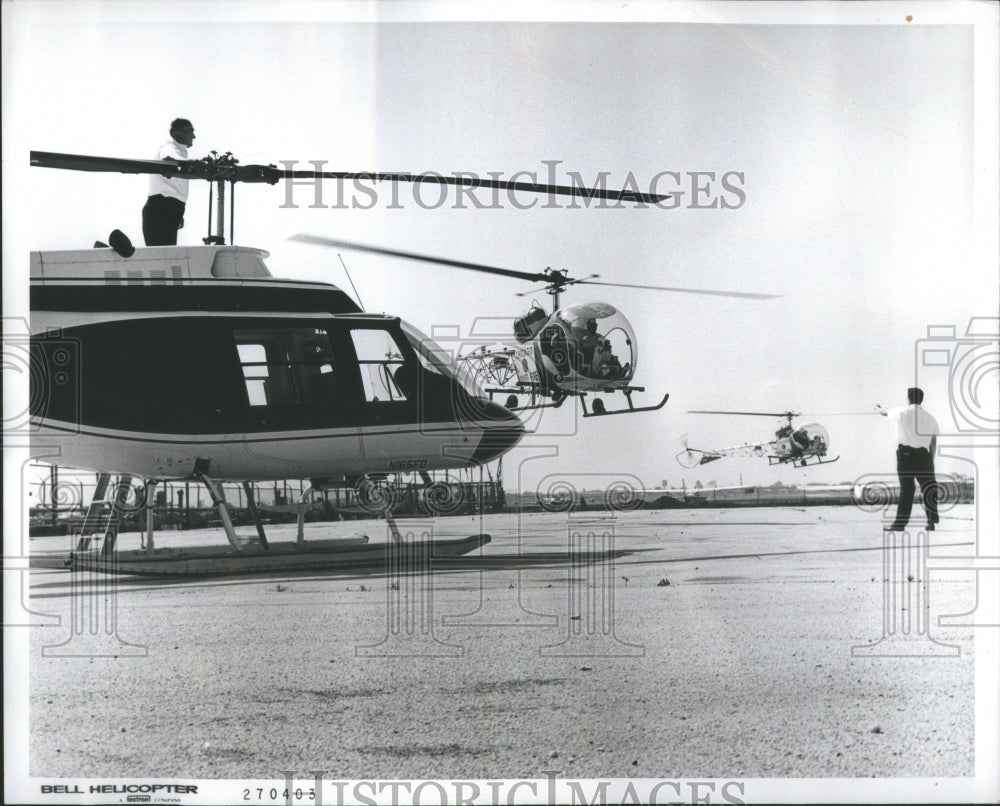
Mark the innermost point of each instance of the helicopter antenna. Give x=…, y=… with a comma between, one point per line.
x=351, y=279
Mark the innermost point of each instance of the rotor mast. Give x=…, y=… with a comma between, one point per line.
x=220, y=170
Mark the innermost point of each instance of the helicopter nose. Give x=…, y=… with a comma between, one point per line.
x=502, y=431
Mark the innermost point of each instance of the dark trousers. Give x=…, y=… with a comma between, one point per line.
x=914, y=465
x=162, y=216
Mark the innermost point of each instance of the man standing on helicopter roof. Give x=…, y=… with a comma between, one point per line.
x=163, y=213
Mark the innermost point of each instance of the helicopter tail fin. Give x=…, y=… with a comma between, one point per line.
x=692, y=457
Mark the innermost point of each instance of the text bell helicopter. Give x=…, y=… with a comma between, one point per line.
x=575, y=350
x=803, y=446
x=194, y=362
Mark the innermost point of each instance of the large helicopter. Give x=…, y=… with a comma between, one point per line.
x=806, y=445
x=571, y=350
x=194, y=362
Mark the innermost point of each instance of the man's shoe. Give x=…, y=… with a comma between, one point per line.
x=120, y=242
x=894, y=527
x=929, y=527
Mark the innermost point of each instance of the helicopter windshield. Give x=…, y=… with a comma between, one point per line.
x=603, y=340
x=434, y=358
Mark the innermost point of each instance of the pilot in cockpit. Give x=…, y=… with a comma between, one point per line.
x=318, y=358
x=607, y=366
x=589, y=343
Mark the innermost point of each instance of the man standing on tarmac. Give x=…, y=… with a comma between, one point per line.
x=916, y=434
x=163, y=213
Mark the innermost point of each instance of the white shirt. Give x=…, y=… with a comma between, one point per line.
x=914, y=426
x=164, y=186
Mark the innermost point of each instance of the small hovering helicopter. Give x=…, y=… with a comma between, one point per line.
x=574, y=350
x=194, y=362
x=803, y=446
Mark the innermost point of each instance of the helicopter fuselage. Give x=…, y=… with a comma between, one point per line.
x=790, y=446
x=571, y=350
x=178, y=357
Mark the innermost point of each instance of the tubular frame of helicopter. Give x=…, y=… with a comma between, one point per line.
x=795, y=446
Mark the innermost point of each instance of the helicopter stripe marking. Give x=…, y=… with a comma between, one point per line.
x=258, y=437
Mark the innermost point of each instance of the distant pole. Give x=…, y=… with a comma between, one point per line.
x=53, y=485
x=147, y=539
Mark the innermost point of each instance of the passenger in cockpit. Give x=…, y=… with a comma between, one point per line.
x=607, y=366
x=557, y=347
x=589, y=342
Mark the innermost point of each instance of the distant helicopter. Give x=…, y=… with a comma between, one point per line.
x=194, y=362
x=574, y=350
x=802, y=446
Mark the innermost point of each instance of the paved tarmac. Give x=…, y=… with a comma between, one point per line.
x=708, y=643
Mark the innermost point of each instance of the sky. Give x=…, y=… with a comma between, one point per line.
x=856, y=138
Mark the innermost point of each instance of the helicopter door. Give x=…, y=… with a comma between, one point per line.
x=300, y=407
x=390, y=374
x=387, y=377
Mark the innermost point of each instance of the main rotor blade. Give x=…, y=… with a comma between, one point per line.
x=471, y=181
x=79, y=162
x=230, y=170
x=747, y=413
x=738, y=294
x=458, y=264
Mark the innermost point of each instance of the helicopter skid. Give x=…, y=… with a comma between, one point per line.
x=630, y=410
x=773, y=460
x=319, y=555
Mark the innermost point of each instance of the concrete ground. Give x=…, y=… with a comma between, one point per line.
x=709, y=643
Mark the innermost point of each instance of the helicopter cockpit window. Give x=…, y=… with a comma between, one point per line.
x=287, y=366
x=593, y=340
x=434, y=358
x=253, y=357
x=384, y=373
